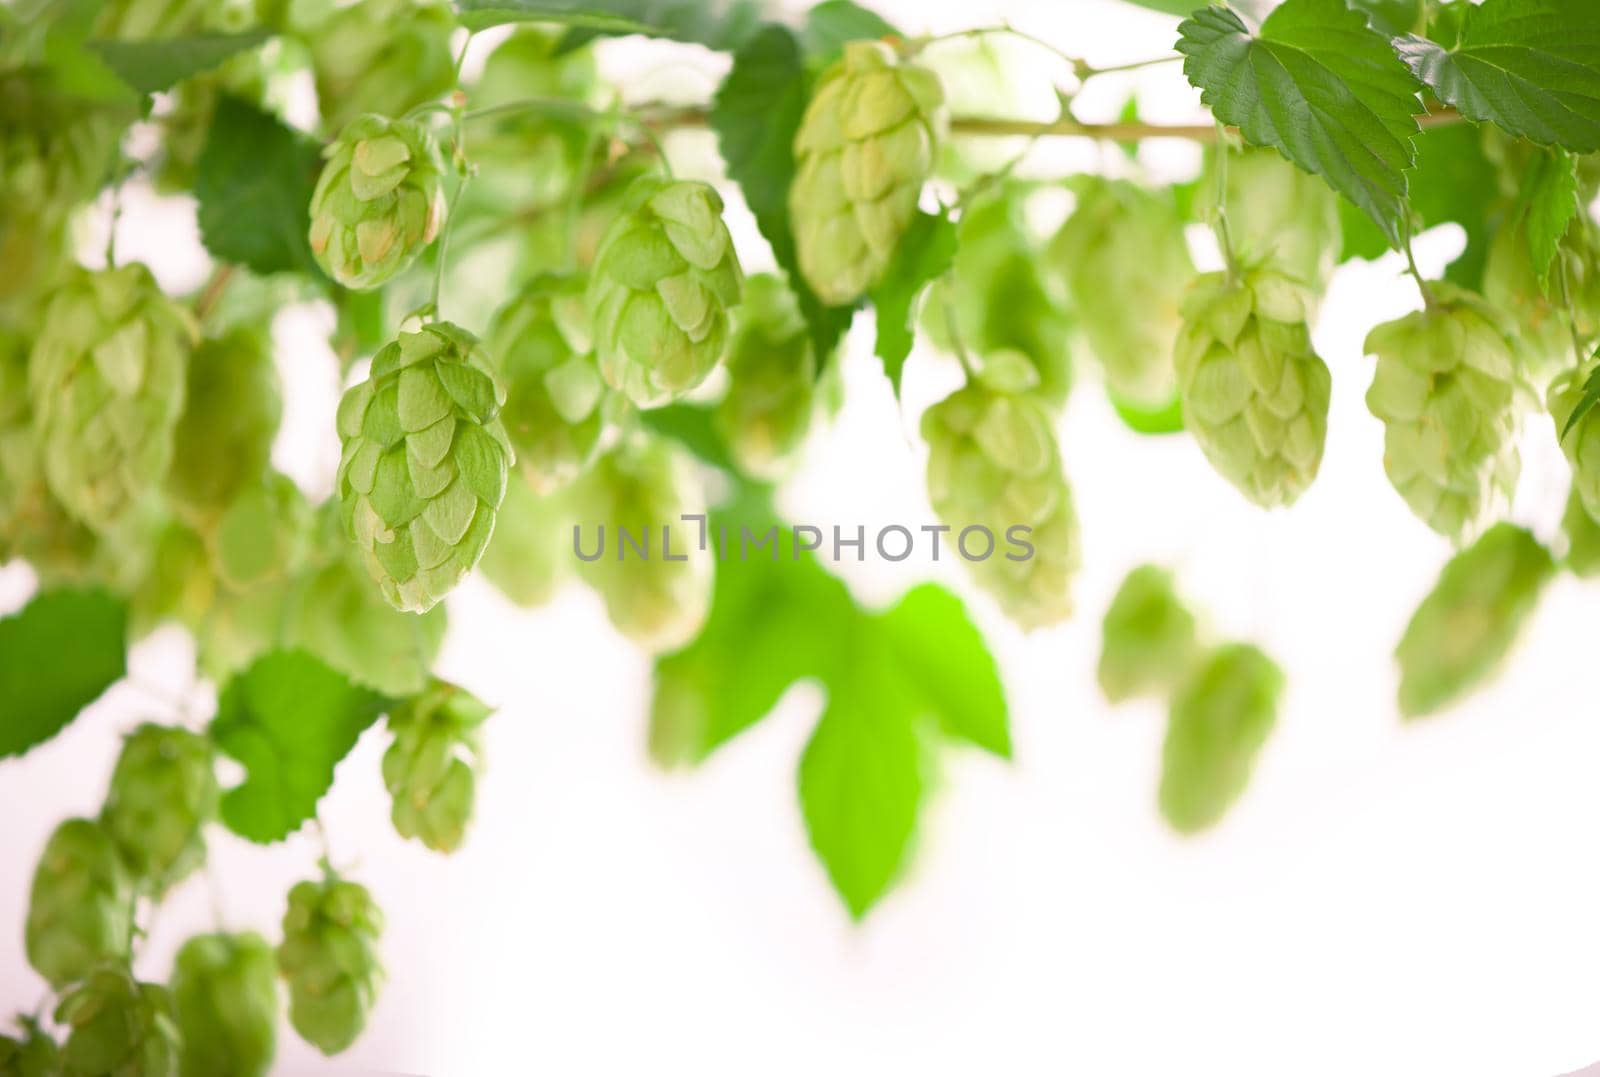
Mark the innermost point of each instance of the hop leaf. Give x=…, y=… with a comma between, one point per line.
x=1219, y=721
x=1467, y=624
x=34, y=1055
x=378, y=202
x=118, y=1025
x=382, y=56
x=1279, y=217
x=1147, y=638
x=993, y=465
x=80, y=910
x=663, y=282
x=866, y=144
x=225, y=988
x=772, y=373
x=223, y=440
x=1254, y=394
x=329, y=959
x=163, y=792
x=429, y=769
x=424, y=463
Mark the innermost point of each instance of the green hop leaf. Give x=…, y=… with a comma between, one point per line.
x=163, y=793
x=118, y=1026
x=866, y=144
x=329, y=958
x=772, y=373
x=1147, y=637
x=1279, y=217
x=1465, y=627
x=223, y=440
x=430, y=769
x=261, y=537
x=381, y=56
x=80, y=910
x=57, y=656
x=34, y=1055
x=225, y=989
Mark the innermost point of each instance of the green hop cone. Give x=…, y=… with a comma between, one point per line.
x=993, y=464
x=1583, y=538
x=35, y=1054
x=179, y=584
x=554, y=412
x=378, y=202
x=1147, y=638
x=1255, y=396
x=163, y=792
x=1543, y=324
x=118, y=1027
x=106, y=381
x=1219, y=720
x=1582, y=443
x=1468, y=623
x=640, y=487
x=772, y=372
x=223, y=440
x=1449, y=390
x=329, y=959
x=424, y=463
x=382, y=56
x=225, y=989
x=55, y=150
x=430, y=768
x=663, y=283
x=867, y=142
x=1279, y=217
x=531, y=551
x=261, y=537
x=1126, y=264
x=80, y=910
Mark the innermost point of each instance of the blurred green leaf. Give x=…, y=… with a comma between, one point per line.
x=723, y=25
x=57, y=655
x=832, y=23
x=931, y=639
x=1551, y=201
x=157, y=64
x=254, y=183
x=1586, y=403
x=1220, y=719
x=923, y=254
x=1391, y=17
x=1167, y=419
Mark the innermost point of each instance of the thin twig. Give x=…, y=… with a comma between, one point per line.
x=211, y=294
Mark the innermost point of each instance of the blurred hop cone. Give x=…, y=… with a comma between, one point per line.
x=80, y=910
x=1147, y=638
x=429, y=769
x=118, y=1026
x=225, y=989
x=329, y=960
x=1219, y=720
x=163, y=792
x=772, y=372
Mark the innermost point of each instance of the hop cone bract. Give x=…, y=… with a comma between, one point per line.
x=225, y=988
x=1279, y=217
x=424, y=463
x=1219, y=720
x=772, y=374
x=163, y=792
x=382, y=56
x=430, y=768
x=80, y=910
x=118, y=1027
x=1147, y=637
x=329, y=959
x=662, y=284
x=866, y=144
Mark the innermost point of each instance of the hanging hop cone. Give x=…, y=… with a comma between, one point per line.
x=424, y=463
x=80, y=910
x=772, y=374
x=1219, y=720
x=1125, y=263
x=1279, y=218
x=163, y=792
x=118, y=1026
x=378, y=202
x=1535, y=307
x=1449, y=390
x=661, y=288
x=993, y=464
x=1147, y=638
x=54, y=151
x=1255, y=396
x=1582, y=443
x=382, y=56
x=556, y=400
x=866, y=144
x=1467, y=624
x=35, y=1054
x=329, y=959
x=430, y=768
x=223, y=440
x=106, y=381
x=225, y=990
x=532, y=549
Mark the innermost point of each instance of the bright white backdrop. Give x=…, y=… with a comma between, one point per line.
x=1383, y=900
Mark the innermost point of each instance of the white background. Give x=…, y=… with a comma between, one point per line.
x=1384, y=899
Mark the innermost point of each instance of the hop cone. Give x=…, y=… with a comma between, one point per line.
x=993, y=463
x=223, y=440
x=554, y=412
x=661, y=288
x=424, y=463
x=1582, y=442
x=1219, y=720
x=382, y=56
x=329, y=958
x=80, y=912
x=772, y=371
x=55, y=151
x=1279, y=217
x=1147, y=638
x=642, y=486
x=226, y=992
x=118, y=1027
x=262, y=535
x=1583, y=538
x=1510, y=284
x=378, y=202
x=1254, y=394
x=106, y=380
x=1126, y=265
x=34, y=1055
x=532, y=548
x=163, y=792
x=429, y=769
x=866, y=144
x=179, y=584
x=1467, y=624
x=1448, y=389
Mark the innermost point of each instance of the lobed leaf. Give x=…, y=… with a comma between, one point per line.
x=57, y=656
x=923, y=255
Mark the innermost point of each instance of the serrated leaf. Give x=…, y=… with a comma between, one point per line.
x=57, y=655
x=155, y=64
x=1586, y=403
x=1551, y=194
x=832, y=23
x=253, y=184
x=288, y=719
x=1531, y=67
x=1318, y=85
x=690, y=425
x=935, y=642
x=923, y=255
x=1392, y=17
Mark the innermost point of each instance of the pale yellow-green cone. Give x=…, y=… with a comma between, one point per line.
x=1449, y=389
x=329, y=959
x=1255, y=396
x=106, y=380
x=163, y=792
x=80, y=909
x=430, y=768
x=424, y=463
x=1147, y=637
x=772, y=372
x=532, y=549
x=382, y=56
x=223, y=440
x=378, y=202
x=1279, y=217
x=867, y=142
x=225, y=991
x=118, y=1027
x=1583, y=538
x=1540, y=317
x=993, y=463
x=261, y=537
x=641, y=486
x=1465, y=627
x=1219, y=720
x=1582, y=443
x=661, y=289
x=1126, y=266
x=33, y=1054
x=179, y=583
